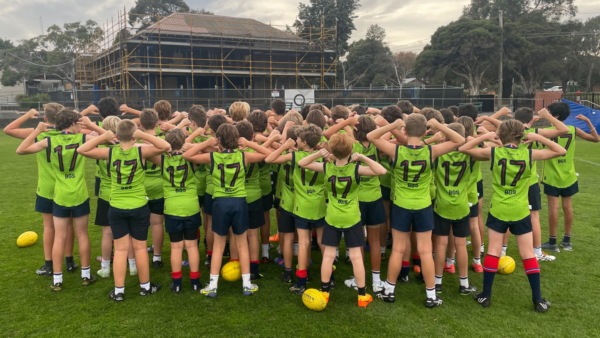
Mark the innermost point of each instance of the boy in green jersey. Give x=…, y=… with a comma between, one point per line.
x=511, y=170
x=342, y=181
x=45, y=186
x=451, y=212
x=256, y=215
x=412, y=165
x=182, y=211
x=559, y=176
x=71, y=199
x=128, y=215
x=286, y=227
x=228, y=168
x=149, y=121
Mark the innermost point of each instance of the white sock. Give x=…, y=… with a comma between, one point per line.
x=337, y=253
x=376, y=278
x=482, y=248
x=246, y=280
x=383, y=249
x=57, y=278
x=132, y=263
x=347, y=253
x=464, y=281
x=214, y=281
x=504, y=248
x=156, y=258
x=438, y=279
x=389, y=288
x=145, y=286
x=85, y=272
x=265, y=250
x=433, y=254
x=105, y=264
x=119, y=290
x=431, y=293
x=449, y=261
x=477, y=261
x=538, y=251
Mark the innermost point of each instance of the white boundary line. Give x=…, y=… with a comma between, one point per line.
x=590, y=162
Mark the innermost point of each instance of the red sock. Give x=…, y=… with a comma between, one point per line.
x=234, y=260
x=490, y=263
x=194, y=275
x=176, y=275
x=301, y=273
x=531, y=266
x=209, y=253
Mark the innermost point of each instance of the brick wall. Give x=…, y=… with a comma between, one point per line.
x=543, y=99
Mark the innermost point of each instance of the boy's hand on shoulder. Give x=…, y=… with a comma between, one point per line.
x=108, y=137
x=544, y=113
x=289, y=124
x=399, y=123
x=186, y=146
x=123, y=108
x=184, y=123
x=504, y=111
x=137, y=134
x=437, y=137
x=289, y=143
x=353, y=121
x=84, y=120
x=42, y=127
x=380, y=121
x=582, y=118
x=33, y=114
x=324, y=153
x=482, y=130
x=242, y=142
x=535, y=119
x=92, y=109
x=212, y=142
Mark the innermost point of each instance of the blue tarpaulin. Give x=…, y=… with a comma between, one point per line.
x=576, y=109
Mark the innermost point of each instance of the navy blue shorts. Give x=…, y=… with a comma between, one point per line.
x=385, y=193
x=76, y=211
x=133, y=222
x=460, y=228
x=157, y=207
x=102, y=213
x=208, y=204
x=519, y=227
x=474, y=210
x=276, y=202
x=286, y=222
x=175, y=224
x=406, y=220
x=480, y=189
x=201, y=201
x=535, y=197
x=97, y=186
x=354, y=237
x=267, y=202
x=562, y=192
x=229, y=212
x=307, y=224
x=372, y=213
x=43, y=205
x=256, y=215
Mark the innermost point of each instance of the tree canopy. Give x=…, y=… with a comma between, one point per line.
x=147, y=12
x=512, y=9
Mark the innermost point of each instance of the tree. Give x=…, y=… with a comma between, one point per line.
x=489, y=9
x=376, y=32
x=365, y=60
x=403, y=64
x=6, y=44
x=590, y=48
x=52, y=54
x=570, y=65
x=147, y=12
x=466, y=47
x=201, y=11
x=330, y=13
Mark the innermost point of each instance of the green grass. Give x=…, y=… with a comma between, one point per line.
x=29, y=308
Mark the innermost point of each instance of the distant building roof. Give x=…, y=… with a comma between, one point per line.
x=216, y=25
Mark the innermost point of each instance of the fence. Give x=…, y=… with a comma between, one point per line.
x=591, y=97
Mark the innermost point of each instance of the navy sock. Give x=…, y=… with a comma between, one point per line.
x=362, y=291
x=567, y=239
x=69, y=259
x=405, y=269
x=325, y=286
x=301, y=281
x=534, y=282
x=288, y=272
x=552, y=240
x=177, y=281
x=490, y=266
x=254, y=267
x=49, y=263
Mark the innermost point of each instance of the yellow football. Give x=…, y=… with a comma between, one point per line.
x=27, y=239
x=506, y=265
x=314, y=300
x=231, y=271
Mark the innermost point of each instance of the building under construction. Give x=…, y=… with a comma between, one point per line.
x=197, y=51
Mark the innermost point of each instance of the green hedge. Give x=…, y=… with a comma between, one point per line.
x=32, y=102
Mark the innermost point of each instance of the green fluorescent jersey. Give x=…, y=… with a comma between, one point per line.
x=286, y=187
x=370, y=189
x=559, y=172
x=46, y=176
x=153, y=182
x=99, y=124
x=201, y=172
x=533, y=145
x=473, y=195
x=342, y=183
x=69, y=169
x=452, y=174
x=103, y=174
x=252, y=182
x=412, y=176
x=127, y=176
x=179, y=185
x=227, y=170
x=511, y=170
x=386, y=180
x=309, y=199
x=264, y=178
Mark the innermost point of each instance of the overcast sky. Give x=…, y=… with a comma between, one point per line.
x=405, y=21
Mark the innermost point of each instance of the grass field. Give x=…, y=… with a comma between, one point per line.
x=29, y=308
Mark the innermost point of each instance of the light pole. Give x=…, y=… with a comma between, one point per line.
x=501, y=57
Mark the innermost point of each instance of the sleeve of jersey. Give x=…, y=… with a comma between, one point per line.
x=324, y=168
x=293, y=162
x=530, y=158
x=393, y=164
x=141, y=158
x=212, y=163
x=356, y=175
x=493, y=153
x=430, y=156
x=244, y=161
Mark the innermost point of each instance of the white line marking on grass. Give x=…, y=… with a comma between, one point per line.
x=590, y=162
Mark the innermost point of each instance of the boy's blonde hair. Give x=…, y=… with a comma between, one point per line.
x=125, y=130
x=51, y=110
x=415, y=125
x=290, y=116
x=341, y=145
x=511, y=131
x=228, y=136
x=458, y=128
x=110, y=123
x=469, y=125
x=163, y=108
x=238, y=111
x=431, y=113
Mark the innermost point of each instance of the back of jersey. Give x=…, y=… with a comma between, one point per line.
x=370, y=189
x=560, y=172
x=342, y=184
x=201, y=171
x=228, y=171
x=252, y=180
x=104, y=175
x=127, y=175
x=285, y=187
x=511, y=170
x=153, y=179
x=46, y=176
x=309, y=199
x=412, y=176
x=452, y=174
x=69, y=169
x=179, y=184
